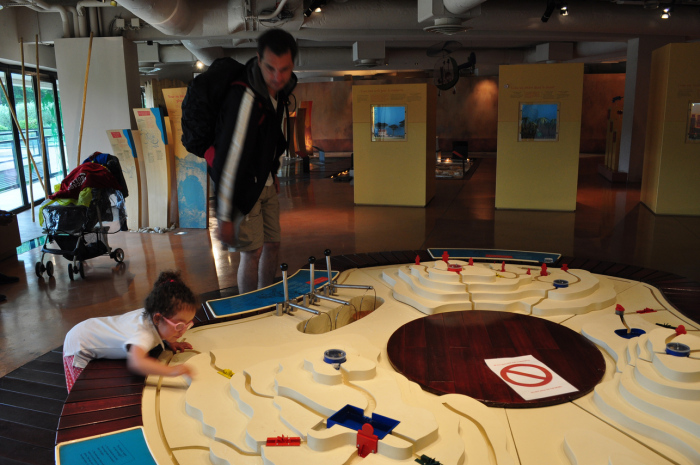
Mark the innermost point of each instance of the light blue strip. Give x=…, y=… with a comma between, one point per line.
x=297, y=284
x=496, y=254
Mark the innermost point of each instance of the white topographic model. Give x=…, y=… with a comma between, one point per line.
x=294, y=396
x=431, y=288
x=654, y=394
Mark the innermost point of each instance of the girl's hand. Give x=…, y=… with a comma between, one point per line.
x=179, y=346
x=183, y=369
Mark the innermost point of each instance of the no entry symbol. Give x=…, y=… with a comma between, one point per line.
x=539, y=375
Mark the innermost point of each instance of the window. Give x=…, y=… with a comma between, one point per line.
x=16, y=191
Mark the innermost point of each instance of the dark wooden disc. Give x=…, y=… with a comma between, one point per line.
x=445, y=354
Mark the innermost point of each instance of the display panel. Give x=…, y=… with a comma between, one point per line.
x=539, y=122
x=693, y=123
x=388, y=123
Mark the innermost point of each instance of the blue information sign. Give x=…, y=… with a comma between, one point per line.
x=120, y=448
x=298, y=284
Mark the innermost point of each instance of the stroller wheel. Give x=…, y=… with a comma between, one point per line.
x=118, y=255
x=39, y=269
x=49, y=268
x=70, y=271
x=81, y=270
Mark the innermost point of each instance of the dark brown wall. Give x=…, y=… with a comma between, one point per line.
x=598, y=92
x=331, y=113
x=470, y=114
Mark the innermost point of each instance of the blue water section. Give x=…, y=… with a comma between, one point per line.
x=192, y=192
x=31, y=244
x=298, y=285
x=496, y=254
x=121, y=448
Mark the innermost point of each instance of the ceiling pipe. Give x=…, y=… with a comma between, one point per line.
x=458, y=7
x=275, y=13
x=42, y=7
x=175, y=17
x=95, y=22
x=94, y=28
x=206, y=55
x=90, y=4
x=76, y=19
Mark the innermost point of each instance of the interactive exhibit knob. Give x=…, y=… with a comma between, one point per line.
x=327, y=252
x=284, y=267
x=312, y=260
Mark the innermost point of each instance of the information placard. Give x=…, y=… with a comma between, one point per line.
x=120, y=448
x=529, y=377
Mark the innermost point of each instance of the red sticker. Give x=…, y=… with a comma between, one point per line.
x=538, y=379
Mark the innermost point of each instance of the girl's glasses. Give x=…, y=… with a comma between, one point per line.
x=179, y=327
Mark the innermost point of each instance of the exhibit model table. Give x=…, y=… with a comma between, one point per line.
x=440, y=323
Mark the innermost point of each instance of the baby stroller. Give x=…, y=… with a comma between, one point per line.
x=80, y=232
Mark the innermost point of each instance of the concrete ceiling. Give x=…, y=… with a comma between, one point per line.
x=362, y=37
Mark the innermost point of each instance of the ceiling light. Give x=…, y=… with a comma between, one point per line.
x=314, y=7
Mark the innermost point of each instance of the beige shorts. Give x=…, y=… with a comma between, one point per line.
x=261, y=225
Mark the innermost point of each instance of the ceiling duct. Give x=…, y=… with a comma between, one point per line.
x=368, y=54
x=448, y=15
x=447, y=26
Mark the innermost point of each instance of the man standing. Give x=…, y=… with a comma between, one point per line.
x=247, y=149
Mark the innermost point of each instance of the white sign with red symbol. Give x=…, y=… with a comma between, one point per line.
x=529, y=377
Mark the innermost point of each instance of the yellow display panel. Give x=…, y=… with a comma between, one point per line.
x=539, y=131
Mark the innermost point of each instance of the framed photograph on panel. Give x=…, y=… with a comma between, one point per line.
x=388, y=123
x=539, y=122
x=693, y=133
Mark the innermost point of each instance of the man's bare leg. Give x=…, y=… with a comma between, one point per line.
x=248, y=271
x=268, y=264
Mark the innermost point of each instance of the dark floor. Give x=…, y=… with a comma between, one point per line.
x=609, y=224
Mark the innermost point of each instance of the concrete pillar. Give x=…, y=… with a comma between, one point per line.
x=636, y=103
x=113, y=90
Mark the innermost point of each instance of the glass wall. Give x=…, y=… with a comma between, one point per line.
x=25, y=109
x=10, y=176
x=16, y=164
x=52, y=138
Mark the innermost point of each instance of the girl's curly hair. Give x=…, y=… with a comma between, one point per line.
x=168, y=295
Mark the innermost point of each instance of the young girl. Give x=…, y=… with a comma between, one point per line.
x=168, y=313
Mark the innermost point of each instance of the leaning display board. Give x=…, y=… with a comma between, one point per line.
x=127, y=447
x=124, y=148
x=190, y=170
x=154, y=140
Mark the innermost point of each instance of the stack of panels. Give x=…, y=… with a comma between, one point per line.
x=31, y=400
x=105, y=398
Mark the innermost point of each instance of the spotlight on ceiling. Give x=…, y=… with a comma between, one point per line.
x=548, y=11
x=314, y=7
